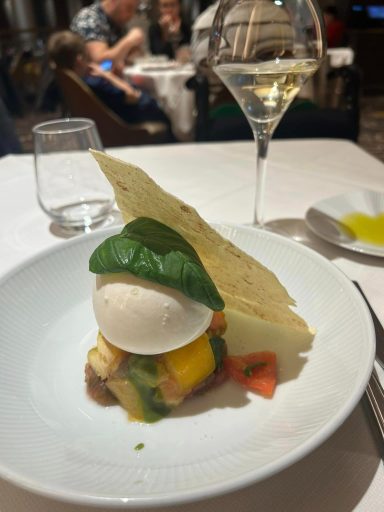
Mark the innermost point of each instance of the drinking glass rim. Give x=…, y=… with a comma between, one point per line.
x=47, y=127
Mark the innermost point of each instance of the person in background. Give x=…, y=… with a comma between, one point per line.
x=170, y=32
x=102, y=26
x=219, y=115
x=9, y=141
x=201, y=30
x=67, y=50
x=334, y=26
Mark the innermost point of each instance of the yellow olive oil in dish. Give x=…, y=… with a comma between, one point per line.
x=366, y=228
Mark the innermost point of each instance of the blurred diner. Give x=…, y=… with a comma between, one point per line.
x=326, y=106
x=115, y=30
x=334, y=26
x=103, y=27
x=199, y=45
x=169, y=32
x=68, y=50
x=9, y=142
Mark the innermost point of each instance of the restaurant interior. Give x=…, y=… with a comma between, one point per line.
x=181, y=329
x=353, y=91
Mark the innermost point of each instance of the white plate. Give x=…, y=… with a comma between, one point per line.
x=57, y=442
x=324, y=219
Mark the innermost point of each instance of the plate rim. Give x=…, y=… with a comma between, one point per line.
x=220, y=488
x=370, y=250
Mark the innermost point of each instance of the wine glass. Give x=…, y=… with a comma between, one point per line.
x=264, y=51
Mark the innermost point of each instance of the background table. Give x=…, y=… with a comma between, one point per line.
x=166, y=82
x=343, y=474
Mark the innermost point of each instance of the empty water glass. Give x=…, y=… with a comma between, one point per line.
x=71, y=189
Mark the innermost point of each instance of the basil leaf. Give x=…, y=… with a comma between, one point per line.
x=248, y=370
x=152, y=251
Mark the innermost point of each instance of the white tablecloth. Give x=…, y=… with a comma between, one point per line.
x=167, y=85
x=346, y=472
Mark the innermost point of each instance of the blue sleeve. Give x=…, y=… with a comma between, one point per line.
x=146, y=109
x=111, y=95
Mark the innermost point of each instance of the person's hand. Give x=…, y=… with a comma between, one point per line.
x=170, y=26
x=117, y=70
x=132, y=95
x=95, y=70
x=165, y=21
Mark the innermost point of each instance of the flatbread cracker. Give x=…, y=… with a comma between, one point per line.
x=244, y=283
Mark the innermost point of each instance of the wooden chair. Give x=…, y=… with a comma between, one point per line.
x=81, y=101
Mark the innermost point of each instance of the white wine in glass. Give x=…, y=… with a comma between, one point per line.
x=264, y=51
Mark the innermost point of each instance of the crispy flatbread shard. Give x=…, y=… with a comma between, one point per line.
x=244, y=283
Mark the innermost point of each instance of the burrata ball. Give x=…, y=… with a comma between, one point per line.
x=144, y=317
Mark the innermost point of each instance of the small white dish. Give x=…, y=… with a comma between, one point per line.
x=55, y=441
x=323, y=219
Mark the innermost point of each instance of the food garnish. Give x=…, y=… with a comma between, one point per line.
x=150, y=250
x=256, y=371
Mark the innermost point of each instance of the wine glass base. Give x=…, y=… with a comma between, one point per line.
x=295, y=229
x=289, y=228
x=114, y=218
x=271, y=226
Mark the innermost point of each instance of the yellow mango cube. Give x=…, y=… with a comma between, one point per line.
x=191, y=364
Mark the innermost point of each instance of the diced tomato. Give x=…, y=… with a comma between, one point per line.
x=256, y=371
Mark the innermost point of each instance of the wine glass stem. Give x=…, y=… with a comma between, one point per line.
x=262, y=142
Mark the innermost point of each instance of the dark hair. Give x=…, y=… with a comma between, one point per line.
x=64, y=47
